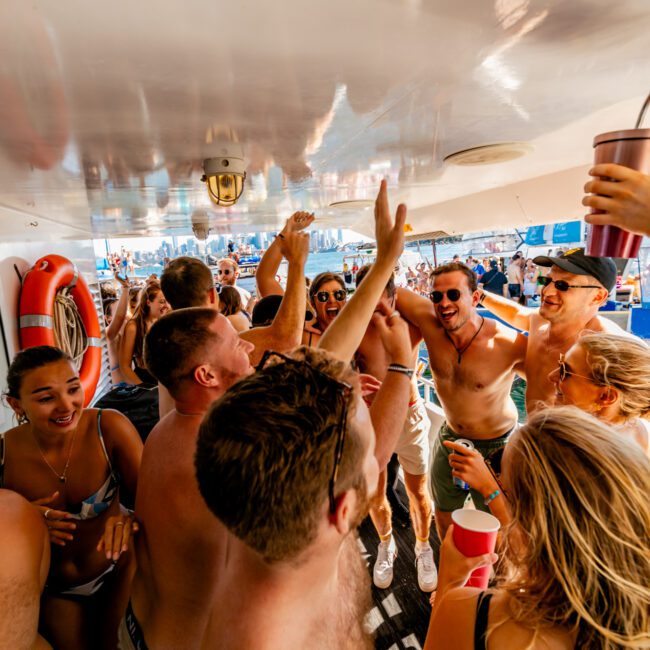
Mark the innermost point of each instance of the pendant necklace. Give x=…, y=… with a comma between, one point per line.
x=62, y=477
x=462, y=351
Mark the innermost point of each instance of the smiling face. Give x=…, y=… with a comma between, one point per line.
x=158, y=306
x=51, y=397
x=226, y=273
x=454, y=314
x=328, y=310
x=578, y=388
x=575, y=304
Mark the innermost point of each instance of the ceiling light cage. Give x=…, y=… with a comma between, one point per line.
x=224, y=177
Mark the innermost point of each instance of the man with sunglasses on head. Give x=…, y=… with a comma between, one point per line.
x=227, y=273
x=573, y=292
x=473, y=361
x=287, y=459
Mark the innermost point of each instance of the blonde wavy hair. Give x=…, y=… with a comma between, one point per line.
x=577, y=553
x=624, y=364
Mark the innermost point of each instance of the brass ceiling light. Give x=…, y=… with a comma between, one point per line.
x=225, y=175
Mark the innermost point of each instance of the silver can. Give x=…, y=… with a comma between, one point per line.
x=458, y=482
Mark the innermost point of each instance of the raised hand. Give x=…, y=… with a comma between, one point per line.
x=298, y=221
x=294, y=246
x=389, y=232
x=394, y=333
x=623, y=196
x=123, y=281
x=55, y=520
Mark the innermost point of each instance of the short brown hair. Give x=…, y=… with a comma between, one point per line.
x=451, y=267
x=266, y=449
x=230, y=261
x=185, y=281
x=363, y=271
x=176, y=344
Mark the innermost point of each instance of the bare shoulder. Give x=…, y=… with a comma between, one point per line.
x=115, y=426
x=18, y=516
x=602, y=324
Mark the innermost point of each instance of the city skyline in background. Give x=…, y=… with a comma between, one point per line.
x=149, y=249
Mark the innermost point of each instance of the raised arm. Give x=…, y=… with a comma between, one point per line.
x=285, y=333
x=267, y=285
x=343, y=336
x=415, y=308
x=113, y=330
x=389, y=408
x=126, y=354
x=623, y=199
x=515, y=315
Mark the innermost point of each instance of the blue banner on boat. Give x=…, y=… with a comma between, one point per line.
x=568, y=232
x=535, y=236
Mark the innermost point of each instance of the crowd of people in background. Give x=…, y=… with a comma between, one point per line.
x=235, y=525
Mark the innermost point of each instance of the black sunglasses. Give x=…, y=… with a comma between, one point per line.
x=563, y=285
x=224, y=271
x=437, y=296
x=340, y=295
x=565, y=372
x=344, y=389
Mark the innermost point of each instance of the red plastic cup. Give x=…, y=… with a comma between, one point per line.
x=474, y=534
x=630, y=148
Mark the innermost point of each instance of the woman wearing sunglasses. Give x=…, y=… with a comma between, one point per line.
x=608, y=376
x=327, y=293
x=575, y=565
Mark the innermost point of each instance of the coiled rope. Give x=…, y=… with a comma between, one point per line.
x=69, y=331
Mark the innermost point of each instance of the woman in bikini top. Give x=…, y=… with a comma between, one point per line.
x=75, y=465
x=574, y=567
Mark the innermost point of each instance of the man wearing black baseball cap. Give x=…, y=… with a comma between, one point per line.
x=575, y=288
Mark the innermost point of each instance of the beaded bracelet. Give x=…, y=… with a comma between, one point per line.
x=492, y=497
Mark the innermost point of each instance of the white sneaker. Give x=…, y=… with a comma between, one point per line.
x=382, y=573
x=427, y=573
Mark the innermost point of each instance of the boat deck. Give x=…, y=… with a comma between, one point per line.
x=400, y=616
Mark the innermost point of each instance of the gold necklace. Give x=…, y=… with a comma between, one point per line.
x=62, y=477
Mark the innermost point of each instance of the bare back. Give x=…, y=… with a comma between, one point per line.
x=544, y=349
x=309, y=620
x=180, y=549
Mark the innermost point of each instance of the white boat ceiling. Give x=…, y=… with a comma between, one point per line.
x=108, y=109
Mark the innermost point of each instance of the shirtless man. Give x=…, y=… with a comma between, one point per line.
x=24, y=565
x=577, y=287
x=293, y=577
x=412, y=450
x=473, y=362
x=188, y=282
x=196, y=355
x=115, y=316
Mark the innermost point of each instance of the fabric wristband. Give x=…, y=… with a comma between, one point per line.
x=396, y=367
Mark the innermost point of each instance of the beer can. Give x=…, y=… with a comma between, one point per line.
x=458, y=482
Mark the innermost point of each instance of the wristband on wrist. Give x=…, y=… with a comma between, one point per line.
x=398, y=367
x=492, y=497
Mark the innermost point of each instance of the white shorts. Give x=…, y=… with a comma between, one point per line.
x=413, y=447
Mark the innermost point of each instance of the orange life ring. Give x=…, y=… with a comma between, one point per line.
x=40, y=284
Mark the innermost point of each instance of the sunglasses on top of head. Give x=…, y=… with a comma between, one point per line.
x=437, y=296
x=339, y=295
x=563, y=285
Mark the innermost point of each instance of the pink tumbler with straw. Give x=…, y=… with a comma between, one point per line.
x=474, y=534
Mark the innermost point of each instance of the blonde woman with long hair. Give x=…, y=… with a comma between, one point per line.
x=608, y=375
x=575, y=566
